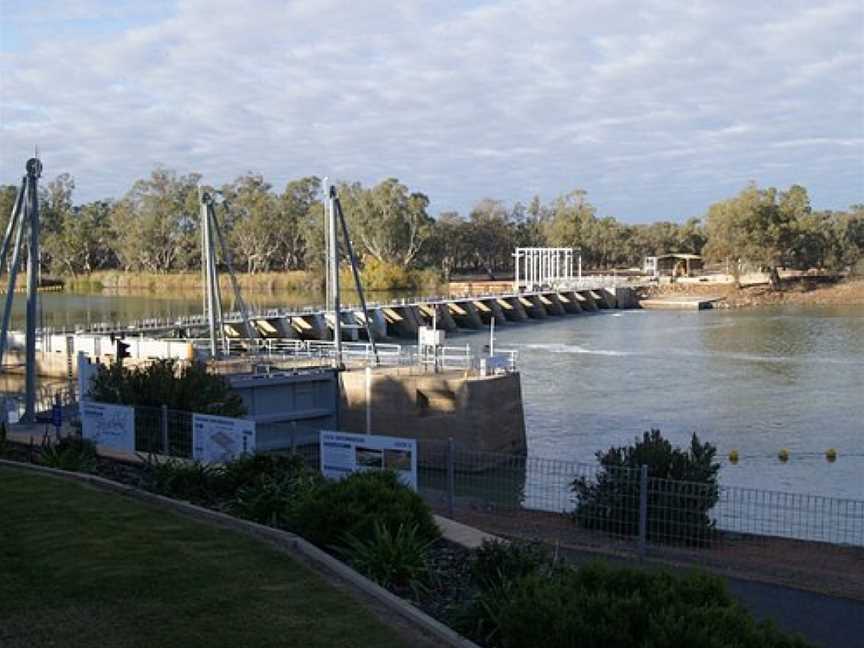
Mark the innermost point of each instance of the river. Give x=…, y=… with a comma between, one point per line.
x=751, y=380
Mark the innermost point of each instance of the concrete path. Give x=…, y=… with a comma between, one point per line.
x=826, y=621
x=462, y=534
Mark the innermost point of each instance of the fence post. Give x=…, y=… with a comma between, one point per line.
x=451, y=478
x=643, y=510
x=165, y=429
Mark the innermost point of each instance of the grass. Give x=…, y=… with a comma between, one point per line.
x=82, y=567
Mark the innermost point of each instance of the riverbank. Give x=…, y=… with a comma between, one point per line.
x=801, y=291
x=376, y=276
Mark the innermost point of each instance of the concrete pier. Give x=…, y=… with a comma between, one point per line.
x=569, y=302
x=513, y=308
x=534, y=307
x=437, y=407
x=553, y=304
x=599, y=298
x=465, y=315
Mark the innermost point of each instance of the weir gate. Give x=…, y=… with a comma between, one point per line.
x=307, y=332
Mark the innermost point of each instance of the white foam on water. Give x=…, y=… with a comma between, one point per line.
x=575, y=348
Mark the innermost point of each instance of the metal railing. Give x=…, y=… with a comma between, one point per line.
x=462, y=358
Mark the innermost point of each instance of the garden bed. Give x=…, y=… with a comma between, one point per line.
x=499, y=595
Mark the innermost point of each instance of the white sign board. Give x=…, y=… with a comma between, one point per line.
x=109, y=426
x=220, y=439
x=343, y=453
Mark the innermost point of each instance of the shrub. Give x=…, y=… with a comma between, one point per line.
x=182, y=479
x=244, y=470
x=393, y=559
x=273, y=497
x=495, y=562
x=190, y=388
x=496, y=567
x=353, y=504
x=601, y=606
x=70, y=453
x=682, y=489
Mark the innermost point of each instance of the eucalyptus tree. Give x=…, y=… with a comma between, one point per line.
x=257, y=220
x=302, y=211
x=84, y=242
x=156, y=223
x=756, y=226
x=388, y=220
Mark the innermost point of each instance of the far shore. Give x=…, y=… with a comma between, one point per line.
x=799, y=290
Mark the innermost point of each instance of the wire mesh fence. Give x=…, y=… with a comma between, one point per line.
x=163, y=431
x=623, y=504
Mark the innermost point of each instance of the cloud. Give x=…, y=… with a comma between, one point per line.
x=656, y=109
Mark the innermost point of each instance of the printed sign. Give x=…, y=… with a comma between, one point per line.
x=109, y=426
x=343, y=453
x=221, y=439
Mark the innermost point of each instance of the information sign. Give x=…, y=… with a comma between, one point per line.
x=343, y=453
x=220, y=438
x=109, y=426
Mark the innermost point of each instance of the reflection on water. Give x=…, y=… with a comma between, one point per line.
x=756, y=381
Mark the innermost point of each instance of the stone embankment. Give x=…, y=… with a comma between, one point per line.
x=802, y=291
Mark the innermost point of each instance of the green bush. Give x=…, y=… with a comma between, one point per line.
x=190, y=388
x=273, y=497
x=353, y=505
x=69, y=453
x=393, y=559
x=182, y=479
x=598, y=606
x=244, y=470
x=682, y=490
x=495, y=562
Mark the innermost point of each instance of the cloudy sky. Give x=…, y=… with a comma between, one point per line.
x=656, y=108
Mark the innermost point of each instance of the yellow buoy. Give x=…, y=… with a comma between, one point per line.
x=783, y=455
x=831, y=455
x=733, y=457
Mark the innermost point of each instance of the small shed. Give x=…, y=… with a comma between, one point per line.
x=675, y=264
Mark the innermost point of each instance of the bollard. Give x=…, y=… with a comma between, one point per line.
x=451, y=479
x=165, y=430
x=643, y=510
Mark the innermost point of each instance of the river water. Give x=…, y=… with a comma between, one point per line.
x=751, y=380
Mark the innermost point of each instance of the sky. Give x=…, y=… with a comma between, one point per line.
x=656, y=108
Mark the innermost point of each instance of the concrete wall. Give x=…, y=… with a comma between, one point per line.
x=479, y=413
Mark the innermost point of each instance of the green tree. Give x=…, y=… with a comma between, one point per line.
x=83, y=243
x=389, y=221
x=257, y=222
x=157, y=222
x=756, y=226
x=301, y=221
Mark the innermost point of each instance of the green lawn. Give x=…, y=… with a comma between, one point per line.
x=82, y=567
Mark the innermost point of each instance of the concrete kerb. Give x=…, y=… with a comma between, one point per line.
x=281, y=539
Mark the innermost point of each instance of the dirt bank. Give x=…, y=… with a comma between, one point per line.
x=797, y=291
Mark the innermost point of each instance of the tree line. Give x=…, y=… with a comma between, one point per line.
x=154, y=228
